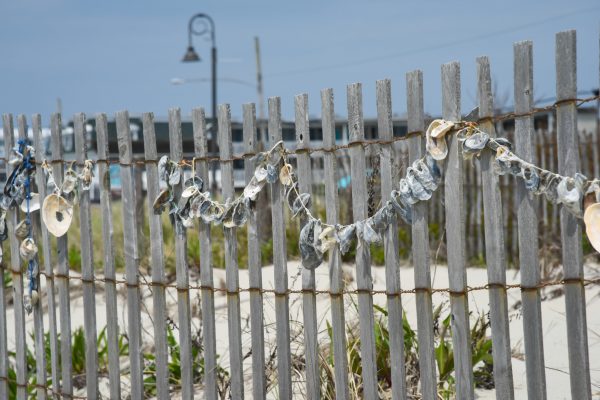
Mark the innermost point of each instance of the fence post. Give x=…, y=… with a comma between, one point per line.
x=528, y=227
x=309, y=301
x=336, y=273
x=110, y=289
x=17, y=277
x=62, y=275
x=231, y=264
x=254, y=264
x=132, y=255
x=570, y=229
x=157, y=257
x=38, y=317
x=282, y=301
x=364, y=280
x=87, y=266
x=392, y=262
x=183, y=294
x=455, y=237
x=420, y=244
x=206, y=272
x=495, y=253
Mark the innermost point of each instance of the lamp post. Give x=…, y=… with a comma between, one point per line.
x=192, y=56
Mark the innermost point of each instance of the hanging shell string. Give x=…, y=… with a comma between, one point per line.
x=421, y=179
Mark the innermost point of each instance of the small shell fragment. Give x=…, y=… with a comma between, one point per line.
x=286, y=175
x=28, y=249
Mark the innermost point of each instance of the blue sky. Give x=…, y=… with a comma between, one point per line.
x=108, y=56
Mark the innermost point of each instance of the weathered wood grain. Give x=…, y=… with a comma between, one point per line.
x=527, y=220
x=87, y=265
x=206, y=273
x=309, y=300
x=570, y=229
x=157, y=261
x=282, y=301
x=494, y=243
x=392, y=262
x=420, y=244
x=232, y=279
x=108, y=259
x=259, y=381
x=132, y=255
x=12, y=219
x=336, y=273
x=38, y=309
x=62, y=281
x=364, y=280
x=455, y=236
x=181, y=268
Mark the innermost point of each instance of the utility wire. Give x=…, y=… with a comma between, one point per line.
x=427, y=48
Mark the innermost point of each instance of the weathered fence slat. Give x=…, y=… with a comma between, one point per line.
x=38, y=310
x=3, y=322
x=158, y=263
x=206, y=272
x=181, y=268
x=232, y=279
x=62, y=276
x=254, y=264
x=392, y=262
x=455, y=237
x=131, y=255
x=572, y=254
x=336, y=273
x=528, y=227
x=364, y=280
x=495, y=253
x=41, y=180
x=282, y=300
x=17, y=276
x=110, y=289
x=420, y=244
x=87, y=265
x=309, y=301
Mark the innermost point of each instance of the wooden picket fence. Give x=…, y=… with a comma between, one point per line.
x=52, y=314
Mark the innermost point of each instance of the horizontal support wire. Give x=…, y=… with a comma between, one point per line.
x=487, y=286
x=332, y=149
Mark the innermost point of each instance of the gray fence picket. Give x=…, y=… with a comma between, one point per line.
x=38, y=310
x=282, y=300
x=364, y=280
x=181, y=268
x=336, y=273
x=16, y=274
x=87, y=265
x=528, y=227
x=257, y=332
x=309, y=300
x=420, y=244
x=455, y=237
x=572, y=254
x=131, y=254
x=494, y=241
x=392, y=262
x=206, y=273
x=232, y=279
x=159, y=279
x=3, y=322
x=62, y=272
x=108, y=259
x=41, y=180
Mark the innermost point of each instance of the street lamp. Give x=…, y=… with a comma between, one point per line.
x=192, y=56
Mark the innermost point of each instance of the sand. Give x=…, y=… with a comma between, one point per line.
x=553, y=314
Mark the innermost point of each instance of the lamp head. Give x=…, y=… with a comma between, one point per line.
x=191, y=55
